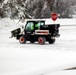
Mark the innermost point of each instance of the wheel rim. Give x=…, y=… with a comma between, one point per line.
x=40, y=40
x=22, y=40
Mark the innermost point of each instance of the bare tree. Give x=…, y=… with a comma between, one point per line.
x=61, y=7
x=36, y=8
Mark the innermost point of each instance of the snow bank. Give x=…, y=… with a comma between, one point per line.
x=62, y=21
x=7, y=24
x=58, y=21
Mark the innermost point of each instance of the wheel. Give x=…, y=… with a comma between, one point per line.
x=22, y=40
x=41, y=40
x=51, y=41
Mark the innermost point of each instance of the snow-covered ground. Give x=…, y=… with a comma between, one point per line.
x=35, y=59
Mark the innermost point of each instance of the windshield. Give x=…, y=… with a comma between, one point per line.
x=29, y=26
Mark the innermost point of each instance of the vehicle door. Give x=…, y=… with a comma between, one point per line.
x=29, y=28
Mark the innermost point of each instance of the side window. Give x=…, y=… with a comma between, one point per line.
x=40, y=24
x=30, y=26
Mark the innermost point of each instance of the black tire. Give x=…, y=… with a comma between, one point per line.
x=41, y=40
x=22, y=40
x=51, y=41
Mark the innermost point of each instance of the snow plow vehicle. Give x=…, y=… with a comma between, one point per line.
x=37, y=30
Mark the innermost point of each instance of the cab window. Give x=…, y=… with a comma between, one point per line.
x=40, y=24
x=30, y=26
